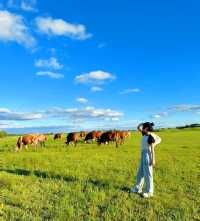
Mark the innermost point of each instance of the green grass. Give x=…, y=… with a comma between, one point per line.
x=92, y=183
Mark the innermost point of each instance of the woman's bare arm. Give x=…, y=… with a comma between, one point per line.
x=140, y=127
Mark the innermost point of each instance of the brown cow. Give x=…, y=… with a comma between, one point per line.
x=118, y=137
x=93, y=136
x=25, y=141
x=107, y=137
x=127, y=133
x=41, y=138
x=73, y=138
x=58, y=136
x=121, y=135
x=98, y=134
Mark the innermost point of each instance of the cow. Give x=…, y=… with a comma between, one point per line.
x=83, y=134
x=127, y=133
x=73, y=138
x=41, y=138
x=107, y=137
x=24, y=141
x=121, y=135
x=58, y=136
x=92, y=136
x=118, y=137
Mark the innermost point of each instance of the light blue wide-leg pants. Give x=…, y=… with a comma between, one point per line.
x=145, y=174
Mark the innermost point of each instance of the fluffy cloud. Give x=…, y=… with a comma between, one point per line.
x=74, y=116
x=159, y=115
x=28, y=5
x=25, y=5
x=84, y=113
x=50, y=74
x=82, y=100
x=60, y=27
x=96, y=77
x=51, y=63
x=6, y=114
x=96, y=88
x=13, y=28
x=9, y=124
x=130, y=90
x=178, y=108
x=186, y=107
x=58, y=112
x=91, y=112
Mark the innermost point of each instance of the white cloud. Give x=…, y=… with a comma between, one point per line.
x=57, y=111
x=44, y=118
x=159, y=115
x=60, y=27
x=130, y=90
x=178, y=109
x=14, y=29
x=50, y=74
x=186, y=107
x=51, y=63
x=82, y=100
x=28, y=5
x=25, y=5
x=10, y=125
x=114, y=119
x=6, y=114
x=96, y=113
x=85, y=113
x=97, y=77
x=156, y=116
x=4, y=110
x=96, y=88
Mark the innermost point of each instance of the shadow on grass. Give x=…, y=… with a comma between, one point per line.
x=40, y=174
x=185, y=147
x=101, y=184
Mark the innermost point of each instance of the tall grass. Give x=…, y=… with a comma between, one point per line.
x=92, y=182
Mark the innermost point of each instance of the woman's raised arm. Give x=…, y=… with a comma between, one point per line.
x=140, y=127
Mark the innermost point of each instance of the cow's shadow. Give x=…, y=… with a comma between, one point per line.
x=100, y=184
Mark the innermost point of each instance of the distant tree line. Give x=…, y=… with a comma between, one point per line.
x=189, y=126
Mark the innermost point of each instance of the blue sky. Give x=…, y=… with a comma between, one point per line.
x=107, y=64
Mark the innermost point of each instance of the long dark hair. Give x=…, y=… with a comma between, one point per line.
x=149, y=126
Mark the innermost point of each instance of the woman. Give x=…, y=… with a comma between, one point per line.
x=145, y=172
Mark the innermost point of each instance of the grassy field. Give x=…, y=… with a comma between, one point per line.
x=92, y=183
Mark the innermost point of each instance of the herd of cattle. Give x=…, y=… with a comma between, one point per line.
x=101, y=137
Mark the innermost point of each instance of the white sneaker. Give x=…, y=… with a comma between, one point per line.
x=135, y=190
x=147, y=195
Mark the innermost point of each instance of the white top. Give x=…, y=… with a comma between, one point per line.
x=144, y=143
